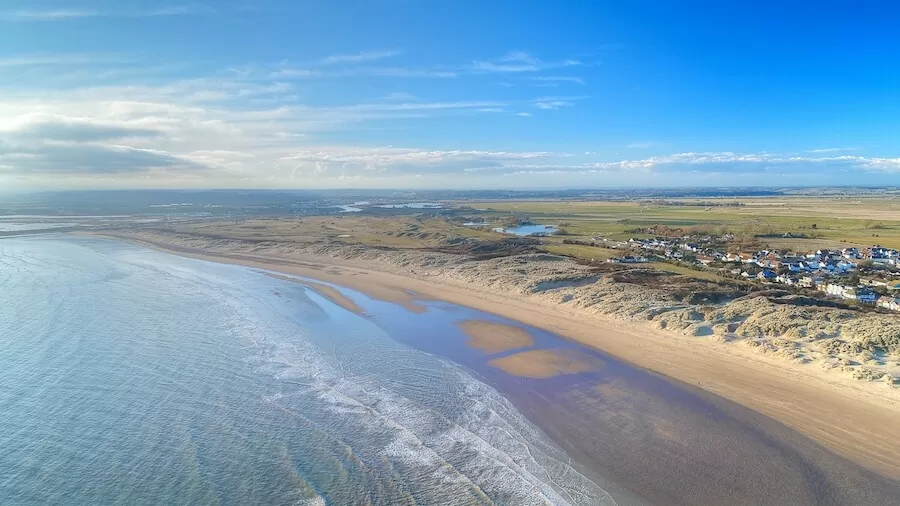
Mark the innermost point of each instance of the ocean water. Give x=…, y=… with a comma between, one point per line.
x=129, y=376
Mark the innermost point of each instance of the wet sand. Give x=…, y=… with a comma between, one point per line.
x=667, y=441
x=543, y=364
x=661, y=440
x=327, y=292
x=493, y=338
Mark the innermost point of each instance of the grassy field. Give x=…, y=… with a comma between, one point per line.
x=829, y=222
x=397, y=232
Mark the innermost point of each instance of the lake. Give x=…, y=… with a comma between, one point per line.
x=527, y=230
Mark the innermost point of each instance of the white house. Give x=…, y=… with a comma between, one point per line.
x=811, y=281
x=891, y=303
x=860, y=294
x=835, y=290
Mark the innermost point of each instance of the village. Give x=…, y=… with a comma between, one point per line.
x=865, y=276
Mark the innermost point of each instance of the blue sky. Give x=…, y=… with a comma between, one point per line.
x=415, y=93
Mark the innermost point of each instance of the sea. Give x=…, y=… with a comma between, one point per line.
x=131, y=376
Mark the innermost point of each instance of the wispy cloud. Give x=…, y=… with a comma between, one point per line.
x=553, y=104
x=412, y=72
x=63, y=59
x=641, y=145
x=48, y=15
x=61, y=14
x=400, y=96
x=363, y=56
x=832, y=150
x=753, y=163
x=559, y=79
x=365, y=64
x=519, y=61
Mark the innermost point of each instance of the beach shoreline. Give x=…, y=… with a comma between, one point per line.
x=855, y=423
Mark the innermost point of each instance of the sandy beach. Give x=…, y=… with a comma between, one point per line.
x=845, y=417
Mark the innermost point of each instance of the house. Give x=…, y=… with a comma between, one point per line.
x=786, y=280
x=891, y=303
x=862, y=294
x=835, y=290
x=794, y=266
x=845, y=265
x=865, y=295
x=811, y=281
x=893, y=285
x=766, y=275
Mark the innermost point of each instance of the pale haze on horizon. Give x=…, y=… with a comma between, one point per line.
x=404, y=94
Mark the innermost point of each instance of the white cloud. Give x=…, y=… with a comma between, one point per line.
x=355, y=65
x=400, y=96
x=559, y=79
x=831, y=150
x=296, y=73
x=518, y=61
x=363, y=56
x=553, y=104
x=86, y=158
x=753, y=163
x=53, y=127
x=247, y=128
x=61, y=14
x=376, y=162
x=435, y=73
x=46, y=15
x=55, y=60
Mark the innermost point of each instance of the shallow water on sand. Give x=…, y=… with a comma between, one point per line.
x=129, y=376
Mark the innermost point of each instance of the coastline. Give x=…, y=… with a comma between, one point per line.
x=854, y=422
